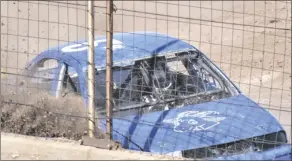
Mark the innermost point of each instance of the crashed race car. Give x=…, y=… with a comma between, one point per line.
x=168, y=98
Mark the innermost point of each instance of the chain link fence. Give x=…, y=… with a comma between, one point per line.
x=169, y=95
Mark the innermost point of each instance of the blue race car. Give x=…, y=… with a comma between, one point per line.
x=168, y=98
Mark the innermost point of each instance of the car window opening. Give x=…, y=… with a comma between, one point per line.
x=42, y=75
x=161, y=83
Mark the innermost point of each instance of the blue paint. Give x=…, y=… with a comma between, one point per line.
x=233, y=128
x=153, y=131
x=132, y=128
x=136, y=46
x=150, y=131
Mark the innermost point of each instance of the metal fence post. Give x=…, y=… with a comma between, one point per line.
x=91, y=71
x=109, y=37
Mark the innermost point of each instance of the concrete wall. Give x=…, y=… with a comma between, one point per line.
x=19, y=147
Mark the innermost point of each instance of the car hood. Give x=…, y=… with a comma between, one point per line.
x=194, y=126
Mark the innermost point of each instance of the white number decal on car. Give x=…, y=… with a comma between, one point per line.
x=84, y=46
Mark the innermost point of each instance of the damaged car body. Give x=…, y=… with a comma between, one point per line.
x=168, y=98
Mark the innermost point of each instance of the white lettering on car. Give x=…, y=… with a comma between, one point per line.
x=84, y=46
x=192, y=121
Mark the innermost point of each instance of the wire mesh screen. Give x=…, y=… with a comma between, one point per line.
x=28, y=84
x=192, y=79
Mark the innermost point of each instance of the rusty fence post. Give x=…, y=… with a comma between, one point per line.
x=109, y=59
x=91, y=70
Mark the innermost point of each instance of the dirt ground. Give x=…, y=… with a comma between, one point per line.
x=252, y=45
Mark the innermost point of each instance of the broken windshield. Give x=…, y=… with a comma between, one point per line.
x=163, y=82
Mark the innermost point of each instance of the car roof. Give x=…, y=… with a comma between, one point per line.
x=126, y=48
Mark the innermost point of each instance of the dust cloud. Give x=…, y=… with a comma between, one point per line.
x=32, y=112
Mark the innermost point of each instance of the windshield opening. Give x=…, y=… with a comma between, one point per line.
x=161, y=83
